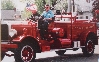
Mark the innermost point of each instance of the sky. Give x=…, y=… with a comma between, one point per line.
x=20, y=5
x=0, y=9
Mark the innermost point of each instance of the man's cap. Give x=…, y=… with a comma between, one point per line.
x=47, y=5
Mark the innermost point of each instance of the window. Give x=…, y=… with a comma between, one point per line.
x=86, y=17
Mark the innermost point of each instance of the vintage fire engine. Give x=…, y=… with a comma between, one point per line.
x=71, y=34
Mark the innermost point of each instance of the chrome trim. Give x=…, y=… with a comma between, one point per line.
x=4, y=42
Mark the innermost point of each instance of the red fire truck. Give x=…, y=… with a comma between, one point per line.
x=71, y=34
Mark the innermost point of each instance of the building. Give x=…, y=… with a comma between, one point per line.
x=80, y=8
x=10, y=15
x=83, y=8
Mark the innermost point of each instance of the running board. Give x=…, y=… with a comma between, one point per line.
x=65, y=49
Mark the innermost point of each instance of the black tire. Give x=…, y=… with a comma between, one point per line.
x=25, y=52
x=88, y=50
x=60, y=52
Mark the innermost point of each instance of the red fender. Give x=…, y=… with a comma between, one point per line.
x=83, y=37
x=21, y=38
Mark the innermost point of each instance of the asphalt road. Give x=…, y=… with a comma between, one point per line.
x=70, y=56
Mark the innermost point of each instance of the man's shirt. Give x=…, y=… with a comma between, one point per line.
x=48, y=14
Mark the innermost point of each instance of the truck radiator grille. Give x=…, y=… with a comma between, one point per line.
x=4, y=32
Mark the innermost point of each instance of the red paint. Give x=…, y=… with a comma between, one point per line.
x=60, y=34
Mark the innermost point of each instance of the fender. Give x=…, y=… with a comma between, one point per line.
x=21, y=38
x=83, y=37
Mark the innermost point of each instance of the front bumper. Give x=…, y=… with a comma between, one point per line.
x=5, y=47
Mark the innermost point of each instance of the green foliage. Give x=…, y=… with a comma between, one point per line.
x=7, y=5
x=40, y=5
x=26, y=14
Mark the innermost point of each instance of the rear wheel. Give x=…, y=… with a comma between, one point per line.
x=88, y=50
x=25, y=53
x=60, y=52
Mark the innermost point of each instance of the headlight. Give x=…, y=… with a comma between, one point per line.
x=12, y=32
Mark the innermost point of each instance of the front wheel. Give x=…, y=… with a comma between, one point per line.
x=25, y=53
x=88, y=50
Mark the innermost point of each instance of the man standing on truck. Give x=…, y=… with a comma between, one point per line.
x=35, y=15
x=47, y=16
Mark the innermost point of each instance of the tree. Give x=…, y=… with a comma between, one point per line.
x=40, y=4
x=7, y=5
x=26, y=14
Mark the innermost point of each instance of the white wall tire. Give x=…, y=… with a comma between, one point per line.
x=25, y=52
x=88, y=50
